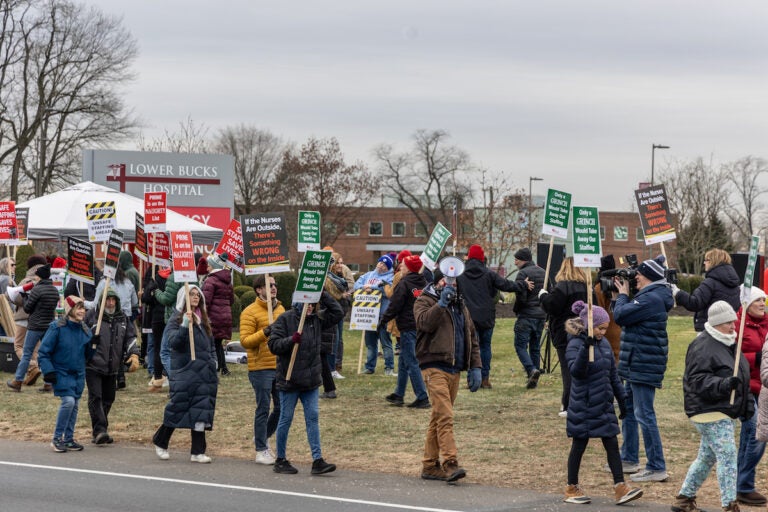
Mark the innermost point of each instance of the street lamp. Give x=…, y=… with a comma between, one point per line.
x=654, y=147
x=531, y=179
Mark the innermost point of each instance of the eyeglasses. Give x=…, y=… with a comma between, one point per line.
x=706, y=260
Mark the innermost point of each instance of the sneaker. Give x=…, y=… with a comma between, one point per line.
x=625, y=493
x=265, y=457
x=533, y=379
x=320, y=467
x=685, y=504
x=47, y=388
x=225, y=371
x=284, y=466
x=563, y=414
x=110, y=439
x=750, y=498
x=336, y=375
x=389, y=372
x=434, y=472
x=58, y=446
x=162, y=453
x=368, y=372
x=328, y=394
x=574, y=494
x=394, y=399
x=626, y=467
x=73, y=446
x=649, y=475
x=101, y=438
x=201, y=458
x=420, y=404
x=452, y=471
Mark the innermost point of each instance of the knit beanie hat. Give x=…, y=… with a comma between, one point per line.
x=523, y=254
x=599, y=315
x=437, y=275
x=43, y=272
x=403, y=254
x=216, y=261
x=70, y=302
x=413, y=263
x=476, y=253
x=755, y=294
x=386, y=260
x=653, y=269
x=720, y=313
x=202, y=266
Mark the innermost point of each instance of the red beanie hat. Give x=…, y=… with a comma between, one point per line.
x=476, y=253
x=403, y=254
x=202, y=266
x=413, y=263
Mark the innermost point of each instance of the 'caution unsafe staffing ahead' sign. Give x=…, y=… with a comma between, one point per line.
x=102, y=219
x=365, y=310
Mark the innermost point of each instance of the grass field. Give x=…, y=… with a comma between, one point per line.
x=507, y=436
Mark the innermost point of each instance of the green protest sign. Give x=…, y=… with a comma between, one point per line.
x=749, y=274
x=309, y=231
x=434, y=247
x=557, y=210
x=309, y=285
x=586, y=237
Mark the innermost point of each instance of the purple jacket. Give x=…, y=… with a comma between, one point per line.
x=219, y=297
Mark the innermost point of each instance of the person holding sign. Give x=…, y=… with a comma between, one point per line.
x=642, y=363
x=379, y=278
x=289, y=331
x=707, y=385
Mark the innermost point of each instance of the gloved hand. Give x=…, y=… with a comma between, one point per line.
x=758, y=359
x=185, y=321
x=622, y=409
x=94, y=340
x=296, y=338
x=674, y=289
x=50, y=378
x=267, y=331
x=133, y=363
x=590, y=341
x=731, y=383
x=446, y=296
x=474, y=378
x=542, y=292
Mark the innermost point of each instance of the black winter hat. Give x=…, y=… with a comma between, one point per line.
x=43, y=272
x=523, y=254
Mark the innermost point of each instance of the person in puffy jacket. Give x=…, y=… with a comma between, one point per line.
x=305, y=378
x=530, y=317
x=379, y=279
x=63, y=352
x=219, y=297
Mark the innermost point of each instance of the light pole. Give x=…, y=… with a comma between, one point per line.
x=531, y=179
x=654, y=147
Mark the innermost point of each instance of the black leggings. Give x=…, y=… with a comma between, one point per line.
x=566, y=375
x=163, y=437
x=218, y=343
x=579, y=444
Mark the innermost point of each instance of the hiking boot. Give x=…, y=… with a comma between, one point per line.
x=389, y=372
x=533, y=379
x=574, y=494
x=58, y=446
x=368, y=372
x=420, y=404
x=649, y=475
x=265, y=457
x=732, y=507
x=624, y=493
x=751, y=498
x=434, y=472
x=320, y=467
x=284, y=467
x=15, y=385
x=394, y=399
x=626, y=467
x=486, y=384
x=328, y=394
x=685, y=504
x=47, y=388
x=32, y=375
x=452, y=471
x=73, y=446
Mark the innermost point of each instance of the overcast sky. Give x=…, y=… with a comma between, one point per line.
x=574, y=92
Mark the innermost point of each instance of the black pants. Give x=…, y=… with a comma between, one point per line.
x=218, y=344
x=579, y=444
x=163, y=436
x=157, y=363
x=565, y=373
x=328, y=384
x=101, y=396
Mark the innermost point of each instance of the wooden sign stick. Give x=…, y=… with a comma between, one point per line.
x=738, y=347
x=103, y=303
x=549, y=260
x=270, y=315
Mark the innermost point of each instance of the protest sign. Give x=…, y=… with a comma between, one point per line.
x=365, y=310
x=309, y=231
x=161, y=249
x=586, y=237
x=140, y=247
x=22, y=222
x=155, y=210
x=654, y=213
x=8, y=229
x=232, y=243
x=557, y=210
x=102, y=219
x=746, y=294
x=434, y=247
x=80, y=260
x=112, y=258
x=183, y=252
x=265, y=246
x=309, y=285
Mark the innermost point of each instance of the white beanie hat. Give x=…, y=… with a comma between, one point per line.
x=755, y=294
x=720, y=313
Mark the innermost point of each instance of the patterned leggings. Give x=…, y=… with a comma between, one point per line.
x=717, y=445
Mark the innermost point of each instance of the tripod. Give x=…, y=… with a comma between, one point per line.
x=546, y=340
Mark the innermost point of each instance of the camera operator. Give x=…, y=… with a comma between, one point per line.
x=642, y=363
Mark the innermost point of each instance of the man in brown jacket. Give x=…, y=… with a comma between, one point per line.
x=446, y=345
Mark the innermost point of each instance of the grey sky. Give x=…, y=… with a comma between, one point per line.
x=574, y=92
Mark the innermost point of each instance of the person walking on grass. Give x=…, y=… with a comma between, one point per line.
x=530, y=317
x=594, y=385
x=63, y=351
x=708, y=383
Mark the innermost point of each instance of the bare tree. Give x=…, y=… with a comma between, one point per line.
x=743, y=211
x=258, y=154
x=190, y=138
x=430, y=180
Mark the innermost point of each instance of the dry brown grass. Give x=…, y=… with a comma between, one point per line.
x=508, y=436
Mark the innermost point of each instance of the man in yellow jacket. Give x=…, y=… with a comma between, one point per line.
x=254, y=335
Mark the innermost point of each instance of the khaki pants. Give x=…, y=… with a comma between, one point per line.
x=440, y=443
x=18, y=347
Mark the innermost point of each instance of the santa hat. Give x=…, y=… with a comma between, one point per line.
x=59, y=262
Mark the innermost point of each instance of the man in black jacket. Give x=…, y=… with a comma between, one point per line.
x=530, y=316
x=479, y=286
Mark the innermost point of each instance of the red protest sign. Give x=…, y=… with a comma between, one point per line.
x=183, y=257
x=155, y=209
x=161, y=245
x=80, y=260
x=8, y=229
x=232, y=244
x=22, y=214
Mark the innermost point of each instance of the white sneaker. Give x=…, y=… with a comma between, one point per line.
x=337, y=375
x=563, y=414
x=166, y=383
x=201, y=458
x=626, y=467
x=265, y=457
x=648, y=475
x=389, y=373
x=162, y=453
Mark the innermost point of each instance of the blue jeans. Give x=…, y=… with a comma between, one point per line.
x=149, y=358
x=165, y=353
x=30, y=342
x=66, y=419
x=485, y=335
x=640, y=410
x=309, y=401
x=750, y=452
x=408, y=366
x=528, y=342
x=264, y=423
x=372, y=343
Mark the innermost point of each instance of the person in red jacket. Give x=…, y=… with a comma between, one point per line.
x=750, y=449
x=219, y=297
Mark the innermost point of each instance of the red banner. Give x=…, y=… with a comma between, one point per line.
x=8, y=229
x=155, y=209
x=183, y=251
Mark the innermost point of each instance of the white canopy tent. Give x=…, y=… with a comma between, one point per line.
x=61, y=214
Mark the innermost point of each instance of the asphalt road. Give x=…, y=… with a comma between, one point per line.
x=120, y=477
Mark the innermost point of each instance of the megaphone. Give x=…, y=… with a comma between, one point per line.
x=15, y=291
x=451, y=267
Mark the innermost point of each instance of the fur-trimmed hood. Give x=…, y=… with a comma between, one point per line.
x=574, y=326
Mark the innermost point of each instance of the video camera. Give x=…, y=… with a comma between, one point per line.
x=628, y=273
